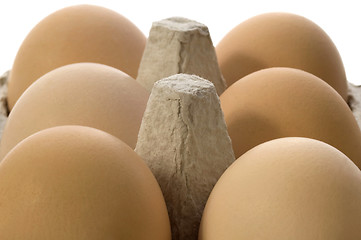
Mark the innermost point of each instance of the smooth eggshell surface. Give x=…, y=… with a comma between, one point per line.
x=75, y=182
x=290, y=188
x=80, y=33
x=280, y=40
x=285, y=102
x=88, y=94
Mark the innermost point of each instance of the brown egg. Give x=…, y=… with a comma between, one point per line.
x=75, y=182
x=289, y=188
x=280, y=40
x=286, y=102
x=81, y=33
x=88, y=94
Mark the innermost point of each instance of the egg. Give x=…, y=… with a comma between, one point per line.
x=76, y=182
x=88, y=94
x=279, y=39
x=80, y=33
x=288, y=188
x=286, y=102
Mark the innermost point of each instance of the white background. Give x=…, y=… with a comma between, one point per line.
x=340, y=19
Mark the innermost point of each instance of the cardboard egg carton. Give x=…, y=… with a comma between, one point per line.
x=183, y=138
x=4, y=112
x=354, y=101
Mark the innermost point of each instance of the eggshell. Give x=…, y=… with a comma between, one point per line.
x=80, y=33
x=280, y=39
x=285, y=102
x=74, y=182
x=88, y=94
x=289, y=188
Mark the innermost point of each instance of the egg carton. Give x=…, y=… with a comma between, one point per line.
x=4, y=112
x=354, y=101
x=182, y=96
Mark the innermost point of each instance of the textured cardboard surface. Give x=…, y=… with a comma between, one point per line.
x=183, y=139
x=3, y=100
x=179, y=45
x=354, y=101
